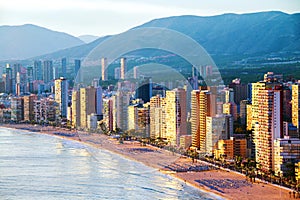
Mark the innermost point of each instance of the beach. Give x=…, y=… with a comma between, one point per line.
x=224, y=183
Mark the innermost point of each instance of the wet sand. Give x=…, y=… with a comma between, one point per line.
x=229, y=185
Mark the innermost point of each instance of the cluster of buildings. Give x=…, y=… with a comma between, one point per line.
x=256, y=120
x=38, y=78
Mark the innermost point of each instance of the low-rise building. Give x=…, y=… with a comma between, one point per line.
x=92, y=120
x=286, y=152
x=45, y=110
x=185, y=141
x=231, y=148
x=17, y=109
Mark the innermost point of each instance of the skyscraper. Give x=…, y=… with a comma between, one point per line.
x=219, y=127
x=136, y=72
x=117, y=73
x=29, y=79
x=76, y=108
x=200, y=109
x=56, y=73
x=99, y=100
x=8, y=79
x=108, y=116
x=104, y=69
x=144, y=90
x=157, y=117
x=48, y=71
x=38, y=70
x=29, y=107
x=175, y=115
x=123, y=68
x=243, y=111
x=296, y=105
x=87, y=104
x=268, y=126
x=77, y=67
x=17, y=109
x=61, y=95
x=15, y=70
x=240, y=90
x=64, y=67
x=255, y=112
x=122, y=102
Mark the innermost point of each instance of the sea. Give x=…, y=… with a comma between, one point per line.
x=38, y=166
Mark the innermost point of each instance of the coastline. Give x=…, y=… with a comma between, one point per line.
x=220, y=183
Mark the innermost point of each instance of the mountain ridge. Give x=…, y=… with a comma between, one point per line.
x=225, y=34
x=28, y=40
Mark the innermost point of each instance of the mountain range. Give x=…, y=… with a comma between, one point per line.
x=25, y=41
x=227, y=34
x=88, y=38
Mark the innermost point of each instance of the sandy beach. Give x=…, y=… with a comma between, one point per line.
x=227, y=184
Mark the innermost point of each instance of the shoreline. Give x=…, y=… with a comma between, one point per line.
x=218, y=183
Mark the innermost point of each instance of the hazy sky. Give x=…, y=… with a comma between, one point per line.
x=102, y=17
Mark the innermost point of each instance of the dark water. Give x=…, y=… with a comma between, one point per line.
x=35, y=166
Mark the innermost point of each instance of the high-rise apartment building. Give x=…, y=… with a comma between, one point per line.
x=8, y=79
x=45, y=110
x=138, y=118
x=117, y=73
x=218, y=127
x=29, y=107
x=243, y=111
x=123, y=68
x=255, y=112
x=104, y=69
x=286, y=151
x=296, y=105
x=108, y=116
x=77, y=68
x=157, y=117
x=38, y=70
x=61, y=95
x=200, y=109
x=29, y=81
x=231, y=148
x=268, y=126
x=230, y=109
x=76, y=108
x=240, y=90
x=136, y=72
x=47, y=71
x=87, y=104
x=175, y=115
x=144, y=90
x=17, y=109
x=99, y=101
x=122, y=102
x=64, y=67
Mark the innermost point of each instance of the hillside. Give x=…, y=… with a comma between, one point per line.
x=263, y=32
x=88, y=38
x=223, y=35
x=25, y=41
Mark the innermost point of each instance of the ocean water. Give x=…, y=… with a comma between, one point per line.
x=36, y=166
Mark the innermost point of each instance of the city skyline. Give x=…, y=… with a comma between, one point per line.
x=223, y=117
x=104, y=17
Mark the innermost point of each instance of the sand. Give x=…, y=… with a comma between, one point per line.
x=225, y=183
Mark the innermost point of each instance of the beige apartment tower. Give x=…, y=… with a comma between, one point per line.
x=176, y=115
x=104, y=69
x=200, y=109
x=296, y=105
x=87, y=104
x=123, y=68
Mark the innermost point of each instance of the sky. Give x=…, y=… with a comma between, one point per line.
x=105, y=17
